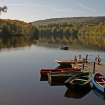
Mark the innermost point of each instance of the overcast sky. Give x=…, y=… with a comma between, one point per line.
x=32, y=10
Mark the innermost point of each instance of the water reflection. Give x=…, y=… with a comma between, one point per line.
x=99, y=94
x=43, y=78
x=15, y=42
x=72, y=93
x=51, y=83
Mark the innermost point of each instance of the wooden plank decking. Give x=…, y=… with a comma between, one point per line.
x=98, y=68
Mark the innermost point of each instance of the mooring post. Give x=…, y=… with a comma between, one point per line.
x=83, y=66
x=94, y=67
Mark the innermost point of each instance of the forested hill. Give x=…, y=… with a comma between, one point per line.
x=15, y=33
x=87, y=31
x=15, y=27
x=70, y=20
x=83, y=31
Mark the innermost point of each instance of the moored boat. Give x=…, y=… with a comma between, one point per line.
x=44, y=72
x=99, y=81
x=61, y=62
x=64, y=48
x=79, y=81
x=59, y=77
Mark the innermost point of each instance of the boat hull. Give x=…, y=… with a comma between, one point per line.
x=44, y=72
x=78, y=87
x=97, y=85
x=63, y=62
x=56, y=78
x=76, y=82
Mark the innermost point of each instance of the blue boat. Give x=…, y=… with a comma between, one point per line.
x=99, y=81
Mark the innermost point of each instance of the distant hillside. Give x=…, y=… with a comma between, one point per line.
x=70, y=20
x=15, y=33
x=14, y=27
x=83, y=31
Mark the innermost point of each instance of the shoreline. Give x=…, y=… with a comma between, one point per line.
x=73, y=46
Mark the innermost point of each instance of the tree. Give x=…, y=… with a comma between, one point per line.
x=3, y=9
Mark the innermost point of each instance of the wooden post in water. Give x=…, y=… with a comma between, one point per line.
x=83, y=66
x=94, y=67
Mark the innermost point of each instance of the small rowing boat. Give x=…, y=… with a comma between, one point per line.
x=79, y=81
x=99, y=81
x=61, y=62
x=57, y=78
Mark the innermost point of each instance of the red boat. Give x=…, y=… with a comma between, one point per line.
x=44, y=72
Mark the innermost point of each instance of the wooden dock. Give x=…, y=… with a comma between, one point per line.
x=58, y=78
x=98, y=68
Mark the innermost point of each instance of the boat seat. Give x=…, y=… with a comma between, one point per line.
x=80, y=79
x=102, y=83
x=99, y=77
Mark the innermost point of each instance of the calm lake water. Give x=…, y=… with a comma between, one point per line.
x=20, y=78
